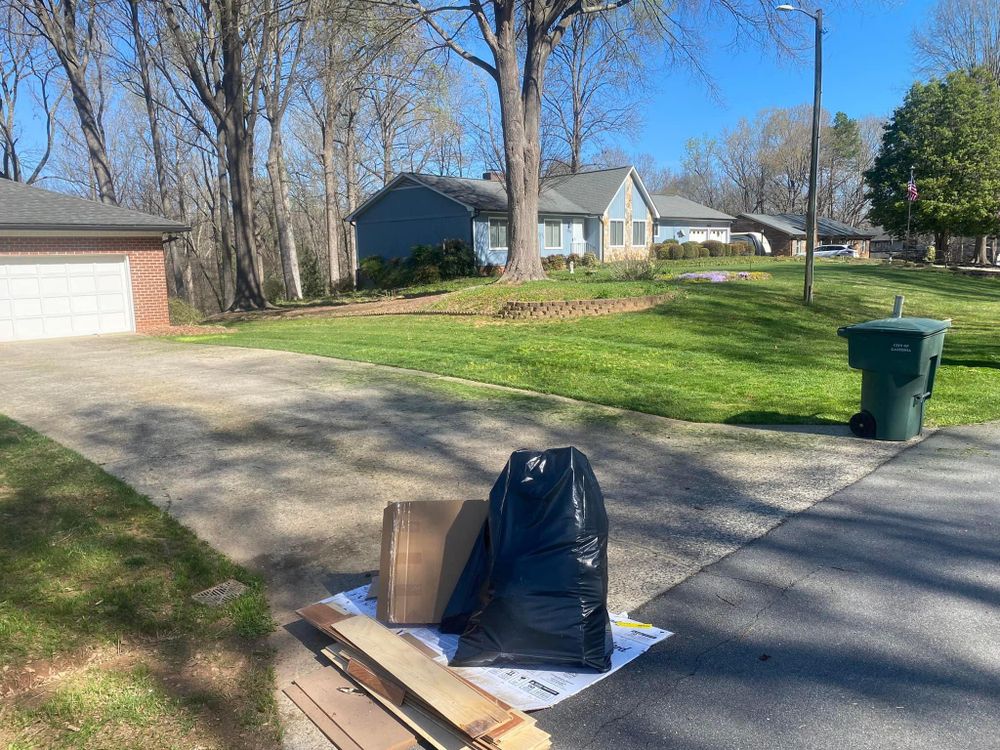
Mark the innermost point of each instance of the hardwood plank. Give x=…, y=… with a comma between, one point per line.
x=438, y=735
x=322, y=616
x=387, y=689
x=324, y=723
x=362, y=719
x=435, y=685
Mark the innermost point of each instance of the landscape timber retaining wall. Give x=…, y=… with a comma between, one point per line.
x=579, y=308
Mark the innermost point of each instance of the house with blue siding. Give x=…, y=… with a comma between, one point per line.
x=686, y=221
x=606, y=212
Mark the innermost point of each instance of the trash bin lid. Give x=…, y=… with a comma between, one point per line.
x=911, y=327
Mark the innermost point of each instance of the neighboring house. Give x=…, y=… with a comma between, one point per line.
x=686, y=221
x=787, y=232
x=606, y=212
x=75, y=267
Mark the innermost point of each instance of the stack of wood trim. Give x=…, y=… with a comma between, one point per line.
x=399, y=673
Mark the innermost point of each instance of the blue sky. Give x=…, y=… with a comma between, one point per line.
x=868, y=67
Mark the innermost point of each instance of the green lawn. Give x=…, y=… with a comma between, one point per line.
x=100, y=643
x=741, y=352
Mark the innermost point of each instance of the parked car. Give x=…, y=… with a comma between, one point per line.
x=834, y=251
x=756, y=240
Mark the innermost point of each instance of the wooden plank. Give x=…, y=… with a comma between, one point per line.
x=324, y=723
x=363, y=720
x=322, y=616
x=435, y=685
x=438, y=735
x=387, y=689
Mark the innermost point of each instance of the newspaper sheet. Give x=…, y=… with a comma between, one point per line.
x=528, y=688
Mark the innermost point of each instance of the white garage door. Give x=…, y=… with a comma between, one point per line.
x=43, y=298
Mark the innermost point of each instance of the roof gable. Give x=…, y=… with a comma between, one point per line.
x=26, y=207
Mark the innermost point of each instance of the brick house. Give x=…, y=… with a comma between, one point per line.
x=787, y=232
x=75, y=267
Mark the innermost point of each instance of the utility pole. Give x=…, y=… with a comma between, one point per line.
x=811, y=222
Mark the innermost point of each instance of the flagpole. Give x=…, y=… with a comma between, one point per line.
x=909, y=209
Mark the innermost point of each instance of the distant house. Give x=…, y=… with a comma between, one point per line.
x=606, y=212
x=686, y=221
x=787, y=232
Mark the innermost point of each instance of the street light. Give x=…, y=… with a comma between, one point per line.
x=807, y=294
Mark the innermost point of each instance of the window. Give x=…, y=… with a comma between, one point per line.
x=498, y=234
x=638, y=233
x=617, y=233
x=553, y=234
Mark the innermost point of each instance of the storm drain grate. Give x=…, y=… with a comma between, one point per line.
x=220, y=593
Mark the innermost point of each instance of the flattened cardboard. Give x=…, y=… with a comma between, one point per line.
x=425, y=545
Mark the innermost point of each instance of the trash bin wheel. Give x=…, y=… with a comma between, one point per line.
x=863, y=424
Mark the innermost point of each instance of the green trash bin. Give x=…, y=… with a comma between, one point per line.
x=898, y=358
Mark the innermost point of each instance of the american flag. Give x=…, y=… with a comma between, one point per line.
x=911, y=190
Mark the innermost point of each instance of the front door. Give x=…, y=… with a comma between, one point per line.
x=579, y=243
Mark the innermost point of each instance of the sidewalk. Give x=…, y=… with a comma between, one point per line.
x=871, y=620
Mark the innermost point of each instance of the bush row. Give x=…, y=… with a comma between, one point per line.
x=426, y=264
x=561, y=262
x=674, y=250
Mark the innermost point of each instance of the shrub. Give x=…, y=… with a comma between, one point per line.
x=715, y=248
x=183, y=313
x=313, y=283
x=741, y=248
x=633, y=269
x=691, y=250
x=589, y=260
x=675, y=251
x=426, y=274
x=703, y=252
x=554, y=262
x=273, y=288
x=661, y=251
x=452, y=259
x=573, y=258
x=672, y=241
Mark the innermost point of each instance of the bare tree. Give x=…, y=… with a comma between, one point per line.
x=233, y=109
x=71, y=27
x=282, y=55
x=23, y=64
x=960, y=35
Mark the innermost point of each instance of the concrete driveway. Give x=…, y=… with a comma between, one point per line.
x=284, y=461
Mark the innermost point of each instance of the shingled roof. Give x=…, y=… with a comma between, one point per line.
x=583, y=194
x=676, y=207
x=794, y=225
x=29, y=207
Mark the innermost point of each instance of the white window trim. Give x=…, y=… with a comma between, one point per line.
x=611, y=234
x=489, y=231
x=545, y=226
x=643, y=225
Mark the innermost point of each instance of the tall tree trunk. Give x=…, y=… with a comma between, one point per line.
x=248, y=294
x=350, y=160
x=980, y=258
x=520, y=116
x=331, y=214
x=224, y=218
x=283, y=215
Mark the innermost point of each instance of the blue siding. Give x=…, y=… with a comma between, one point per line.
x=592, y=234
x=408, y=216
x=617, y=208
x=671, y=229
x=481, y=244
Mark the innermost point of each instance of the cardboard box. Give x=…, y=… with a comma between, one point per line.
x=425, y=545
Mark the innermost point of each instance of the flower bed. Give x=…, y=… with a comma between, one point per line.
x=719, y=277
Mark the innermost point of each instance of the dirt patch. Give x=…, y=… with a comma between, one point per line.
x=396, y=306
x=155, y=695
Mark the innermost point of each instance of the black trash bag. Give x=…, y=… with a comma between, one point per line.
x=535, y=588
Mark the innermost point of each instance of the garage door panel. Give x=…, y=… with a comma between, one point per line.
x=82, y=284
x=56, y=306
x=54, y=286
x=63, y=296
x=21, y=288
x=27, y=308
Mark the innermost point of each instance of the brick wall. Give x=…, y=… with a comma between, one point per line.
x=145, y=259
